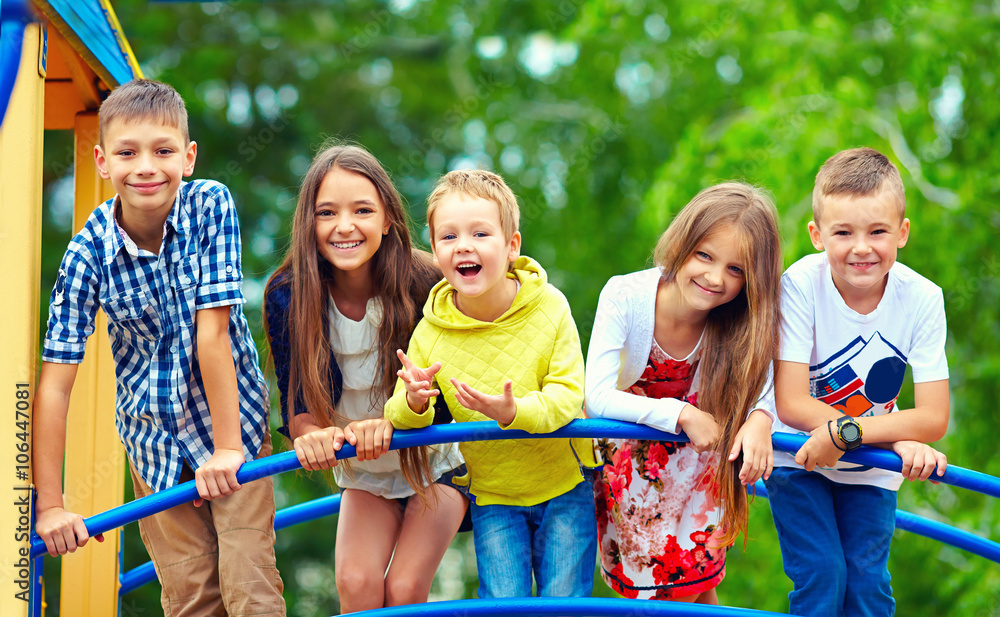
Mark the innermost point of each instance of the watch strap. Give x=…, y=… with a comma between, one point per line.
x=834, y=438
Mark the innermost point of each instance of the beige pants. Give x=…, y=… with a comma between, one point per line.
x=217, y=559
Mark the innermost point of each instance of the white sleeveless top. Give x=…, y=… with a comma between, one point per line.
x=355, y=348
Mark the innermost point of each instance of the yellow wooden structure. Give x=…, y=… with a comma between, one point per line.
x=72, y=55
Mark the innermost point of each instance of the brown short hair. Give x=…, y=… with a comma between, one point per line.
x=477, y=183
x=859, y=172
x=144, y=99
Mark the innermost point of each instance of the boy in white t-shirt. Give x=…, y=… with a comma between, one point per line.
x=852, y=319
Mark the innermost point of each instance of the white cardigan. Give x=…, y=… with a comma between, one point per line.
x=619, y=351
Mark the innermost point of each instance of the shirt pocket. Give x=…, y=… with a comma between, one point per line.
x=186, y=287
x=134, y=314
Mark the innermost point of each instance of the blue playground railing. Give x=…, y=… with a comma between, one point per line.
x=329, y=505
x=483, y=431
x=561, y=607
x=14, y=15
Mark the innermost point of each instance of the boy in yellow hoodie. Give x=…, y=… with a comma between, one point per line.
x=499, y=343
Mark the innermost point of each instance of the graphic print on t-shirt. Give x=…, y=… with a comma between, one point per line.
x=862, y=379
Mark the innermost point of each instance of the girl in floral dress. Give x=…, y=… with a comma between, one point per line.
x=687, y=345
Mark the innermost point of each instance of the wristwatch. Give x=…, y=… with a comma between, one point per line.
x=849, y=432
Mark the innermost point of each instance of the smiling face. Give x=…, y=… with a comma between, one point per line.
x=861, y=236
x=473, y=253
x=145, y=162
x=350, y=220
x=714, y=274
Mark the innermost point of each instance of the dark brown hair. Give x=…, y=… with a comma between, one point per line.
x=860, y=172
x=144, y=99
x=401, y=277
x=741, y=336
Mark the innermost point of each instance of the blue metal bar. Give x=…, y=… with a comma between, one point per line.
x=885, y=459
x=37, y=589
x=308, y=511
x=136, y=578
x=906, y=521
x=946, y=534
x=14, y=14
x=286, y=461
x=287, y=517
x=481, y=431
x=612, y=607
x=37, y=568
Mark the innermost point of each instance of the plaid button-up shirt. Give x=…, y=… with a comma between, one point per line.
x=151, y=301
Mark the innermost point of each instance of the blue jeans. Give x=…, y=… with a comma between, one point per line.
x=834, y=543
x=556, y=539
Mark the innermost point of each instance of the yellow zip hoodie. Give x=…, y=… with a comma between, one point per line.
x=534, y=344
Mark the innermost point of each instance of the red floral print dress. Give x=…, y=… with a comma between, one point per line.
x=658, y=502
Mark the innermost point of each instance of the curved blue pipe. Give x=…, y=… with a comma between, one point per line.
x=325, y=506
x=484, y=431
x=136, y=578
x=946, y=534
x=286, y=461
x=582, y=607
x=14, y=14
x=884, y=459
x=287, y=517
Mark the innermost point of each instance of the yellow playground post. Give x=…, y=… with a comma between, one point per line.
x=72, y=53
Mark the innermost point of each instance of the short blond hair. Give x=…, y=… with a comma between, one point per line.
x=859, y=172
x=144, y=99
x=477, y=183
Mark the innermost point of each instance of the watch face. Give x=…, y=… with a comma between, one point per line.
x=849, y=432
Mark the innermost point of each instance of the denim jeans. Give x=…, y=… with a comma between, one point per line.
x=556, y=540
x=834, y=543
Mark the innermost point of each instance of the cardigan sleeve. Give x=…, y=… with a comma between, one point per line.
x=610, y=344
x=276, y=301
x=765, y=402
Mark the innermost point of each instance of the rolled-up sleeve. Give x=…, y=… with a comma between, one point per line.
x=72, y=308
x=220, y=274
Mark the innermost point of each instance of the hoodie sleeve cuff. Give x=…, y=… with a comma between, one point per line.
x=399, y=413
x=524, y=419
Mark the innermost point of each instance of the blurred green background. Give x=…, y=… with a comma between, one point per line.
x=606, y=117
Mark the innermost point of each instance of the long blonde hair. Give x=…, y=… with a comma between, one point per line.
x=741, y=336
x=402, y=278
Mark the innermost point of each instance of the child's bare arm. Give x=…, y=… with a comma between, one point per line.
x=217, y=477
x=926, y=422
x=62, y=531
x=795, y=407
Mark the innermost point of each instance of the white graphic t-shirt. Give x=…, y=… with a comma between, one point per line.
x=857, y=362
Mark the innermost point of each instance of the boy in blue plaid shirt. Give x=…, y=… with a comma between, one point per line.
x=162, y=259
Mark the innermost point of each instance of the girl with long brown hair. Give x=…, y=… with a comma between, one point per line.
x=347, y=295
x=687, y=345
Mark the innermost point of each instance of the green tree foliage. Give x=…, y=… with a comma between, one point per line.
x=606, y=117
